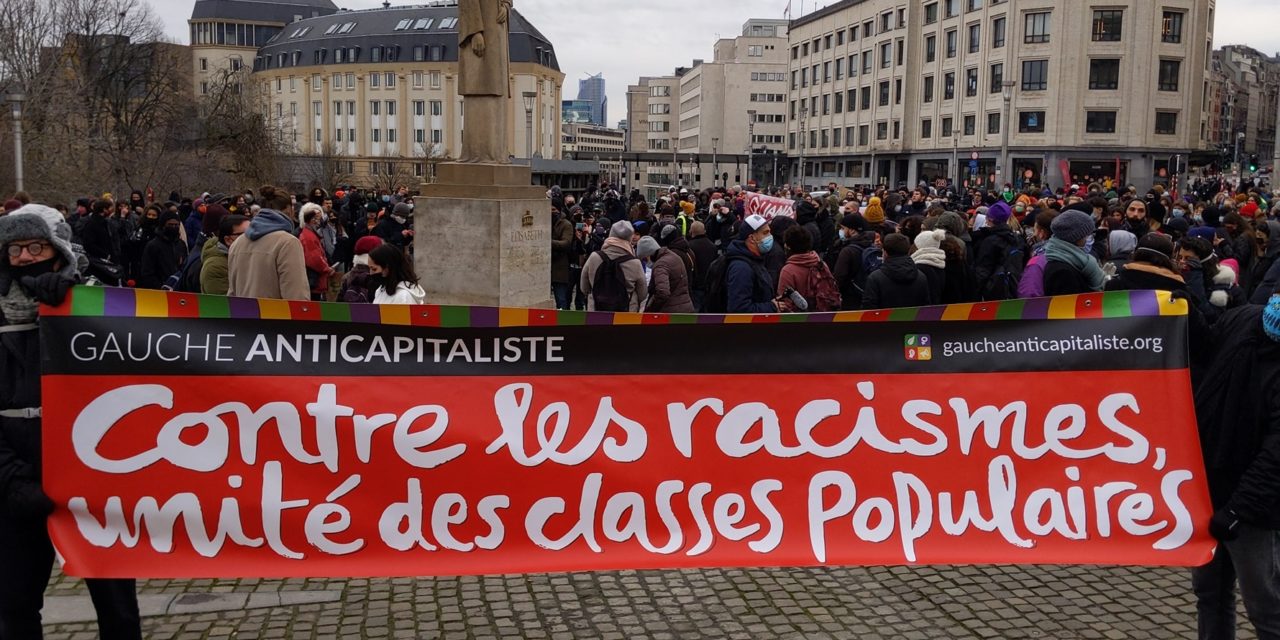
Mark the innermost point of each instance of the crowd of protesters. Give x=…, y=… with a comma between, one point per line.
x=699, y=252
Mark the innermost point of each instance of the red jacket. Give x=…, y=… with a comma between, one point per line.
x=313, y=255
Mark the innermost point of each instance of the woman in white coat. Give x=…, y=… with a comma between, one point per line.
x=391, y=271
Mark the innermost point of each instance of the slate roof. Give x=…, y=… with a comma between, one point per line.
x=261, y=10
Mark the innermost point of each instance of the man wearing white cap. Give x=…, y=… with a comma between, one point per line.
x=748, y=286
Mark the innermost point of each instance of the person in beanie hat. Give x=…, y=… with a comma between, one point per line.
x=164, y=255
x=1000, y=254
x=357, y=286
x=1069, y=269
x=875, y=212
x=393, y=228
x=40, y=266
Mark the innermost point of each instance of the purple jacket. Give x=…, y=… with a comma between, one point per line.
x=1032, y=283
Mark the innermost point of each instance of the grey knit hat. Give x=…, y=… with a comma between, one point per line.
x=1073, y=226
x=647, y=247
x=37, y=222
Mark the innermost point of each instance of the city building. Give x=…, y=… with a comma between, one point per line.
x=575, y=111
x=722, y=122
x=584, y=141
x=592, y=91
x=226, y=35
x=1244, y=90
x=372, y=95
x=894, y=92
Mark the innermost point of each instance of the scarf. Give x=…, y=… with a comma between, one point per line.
x=619, y=242
x=18, y=306
x=930, y=258
x=1271, y=318
x=1058, y=250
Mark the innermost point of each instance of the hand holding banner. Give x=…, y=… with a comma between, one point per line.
x=768, y=206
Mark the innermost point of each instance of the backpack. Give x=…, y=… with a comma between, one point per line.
x=717, y=300
x=826, y=293
x=1003, y=283
x=609, y=288
x=872, y=260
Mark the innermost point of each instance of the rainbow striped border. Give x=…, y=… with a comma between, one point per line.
x=146, y=303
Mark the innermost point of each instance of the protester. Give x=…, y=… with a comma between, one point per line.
x=41, y=268
x=1001, y=255
x=313, y=254
x=1265, y=271
x=898, y=283
x=669, y=278
x=213, y=259
x=748, y=287
x=1068, y=268
x=1032, y=283
x=807, y=275
x=562, y=247
x=268, y=261
x=704, y=253
x=612, y=278
x=931, y=260
x=392, y=274
x=163, y=255
x=358, y=285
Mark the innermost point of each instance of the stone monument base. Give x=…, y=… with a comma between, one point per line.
x=483, y=237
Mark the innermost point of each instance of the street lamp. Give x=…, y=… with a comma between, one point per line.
x=529, y=98
x=15, y=100
x=1007, y=94
x=751, y=145
x=804, y=111
x=715, y=162
x=1239, y=139
x=675, y=161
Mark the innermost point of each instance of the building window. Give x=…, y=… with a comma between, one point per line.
x=391, y=136
x=840, y=67
x=1030, y=122
x=1100, y=121
x=1169, y=71
x=1107, y=24
x=1104, y=74
x=949, y=86
x=975, y=37
x=974, y=5
x=417, y=79
x=884, y=94
x=866, y=61
x=882, y=131
x=930, y=48
x=389, y=80
x=204, y=88
x=755, y=51
x=997, y=32
x=826, y=72
x=993, y=123
x=375, y=79
x=864, y=135
x=952, y=39
x=866, y=98
x=886, y=55
x=375, y=108
x=997, y=77
x=1171, y=27
x=351, y=80
x=970, y=83
x=375, y=135
x=419, y=53
x=391, y=107
x=437, y=108
x=435, y=79
x=926, y=128
x=897, y=91
x=1035, y=75
x=947, y=127
x=839, y=106
x=204, y=64
x=930, y=16
x=886, y=21
x=928, y=89
x=970, y=125
x=1166, y=123
x=1037, y=27
x=950, y=8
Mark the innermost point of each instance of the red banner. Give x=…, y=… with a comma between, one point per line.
x=232, y=448
x=769, y=206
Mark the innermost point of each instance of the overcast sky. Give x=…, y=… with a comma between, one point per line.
x=626, y=39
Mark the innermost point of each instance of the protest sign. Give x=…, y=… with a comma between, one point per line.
x=768, y=206
x=199, y=436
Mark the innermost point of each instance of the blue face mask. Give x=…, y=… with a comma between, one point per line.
x=386, y=198
x=1178, y=213
x=844, y=235
x=1088, y=245
x=766, y=245
x=1271, y=318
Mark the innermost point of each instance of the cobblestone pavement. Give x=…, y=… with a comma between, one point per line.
x=855, y=603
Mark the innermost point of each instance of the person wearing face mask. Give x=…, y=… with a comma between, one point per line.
x=393, y=228
x=704, y=253
x=39, y=267
x=748, y=286
x=1069, y=269
x=393, y=278
x=720, y=224
x=1237, y=403
x=1136, y=220
x=1265, y=272
x=164, y=255
x=318, y=269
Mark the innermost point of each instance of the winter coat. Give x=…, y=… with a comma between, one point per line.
x=194, y=227
x=160, y=259
x=357, y=286
x=848, y=269
x=268, y=261
x=721, y=231
x=669, y=284
x=615, y=249
x=561, y=250
x=213, y=268
x=391, y=231
x=993, y=247
x=795, y=275
x=748, y=286
x=896, y=284
x=1032, y=283
x=704, y=253
x=937, y=279
x=314, y=257
x=1266, y=271
x=960, y=286
x=1238, y=409
x=1062, y=279
x=96, y=238
x=405, y=294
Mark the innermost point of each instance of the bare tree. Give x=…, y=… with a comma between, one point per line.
x=236, y=132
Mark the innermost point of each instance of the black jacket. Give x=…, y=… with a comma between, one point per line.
x=160, y=259
x=19, y=437
x=847, y=269
x=704, y=253
x=897, y=283
x=748, y=286
x=993, y=247
x=1238, y=409
x=96, y=238
x=1062, y=279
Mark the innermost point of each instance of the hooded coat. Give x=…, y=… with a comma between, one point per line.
x=213, y=268
x=267, y=261
x=897, y=283
x=748, y=285
x=1267, y=269
x=669, y=284
x=161, y=258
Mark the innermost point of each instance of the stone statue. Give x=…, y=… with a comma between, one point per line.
x=484, y=79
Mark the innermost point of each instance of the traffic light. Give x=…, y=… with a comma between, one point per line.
x=1253, y=162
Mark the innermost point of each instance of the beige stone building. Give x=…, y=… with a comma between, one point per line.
x=370, y=97
x=895, y=92
x=226, y=35
x=585, y=141
x=711, y=115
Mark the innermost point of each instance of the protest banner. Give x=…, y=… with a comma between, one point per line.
x=768, y=206
x=200, y=436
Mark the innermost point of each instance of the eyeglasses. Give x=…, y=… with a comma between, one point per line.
x=34, y=249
